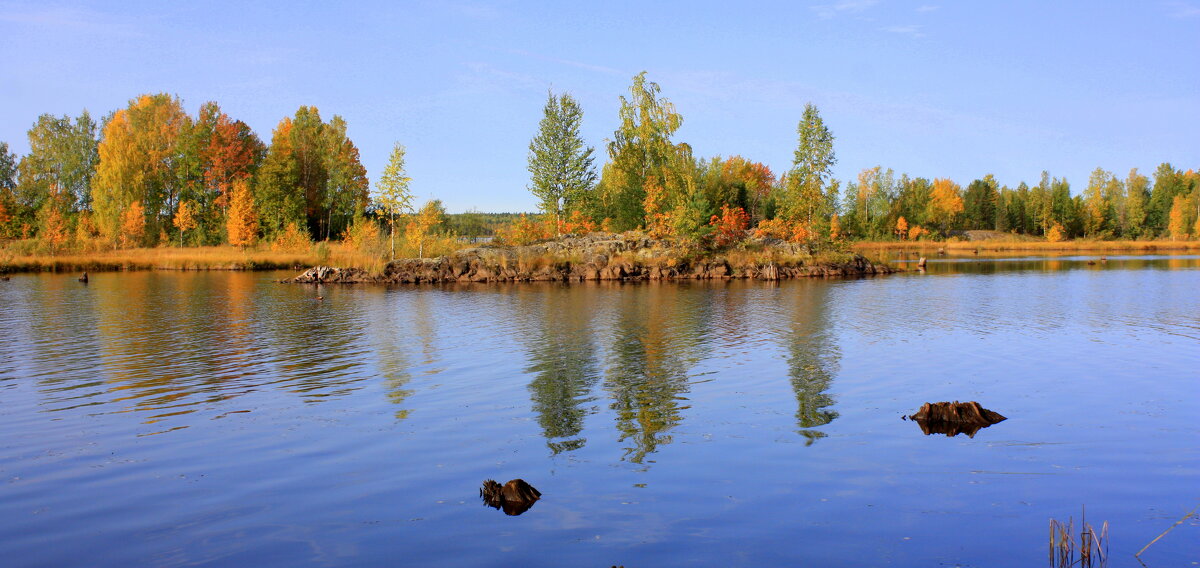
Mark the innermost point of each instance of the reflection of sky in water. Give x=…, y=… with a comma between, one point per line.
x=221, y=417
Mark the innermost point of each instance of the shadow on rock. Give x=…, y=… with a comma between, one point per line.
x=515, y=497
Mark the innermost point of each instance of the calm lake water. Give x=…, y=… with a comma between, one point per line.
x=172, y=419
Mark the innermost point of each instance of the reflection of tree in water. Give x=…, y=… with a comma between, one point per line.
x=813, y=357
x=653, y=347
x=387, y=328
x=562, y=357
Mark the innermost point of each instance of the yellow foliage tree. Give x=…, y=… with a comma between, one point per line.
x=901, y=227
x=86, y=233
x=133, y=225
x=835, y=227
x=1176, y=225
x=241, y=224
x=417, y=230
x=1055, y=234
x=915, y=232
x=945, y=201
x=292, y=239
x=185, y=218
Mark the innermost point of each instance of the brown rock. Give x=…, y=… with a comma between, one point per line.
x=515, y=497
x=953, y=418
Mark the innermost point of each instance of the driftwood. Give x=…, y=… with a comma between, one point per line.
x=953, y=418
x=515, y=497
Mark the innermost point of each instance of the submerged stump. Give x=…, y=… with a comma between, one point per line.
x=514, y=497
x=953, y=418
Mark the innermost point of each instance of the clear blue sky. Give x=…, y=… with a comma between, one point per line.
x=932, y=88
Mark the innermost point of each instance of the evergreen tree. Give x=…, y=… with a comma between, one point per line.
x=560, y=166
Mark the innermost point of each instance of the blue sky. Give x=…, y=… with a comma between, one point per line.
x=933, y=89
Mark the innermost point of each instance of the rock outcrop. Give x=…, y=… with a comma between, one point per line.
x=607, y=257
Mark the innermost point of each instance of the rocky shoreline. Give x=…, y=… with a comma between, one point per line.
x=607, y=257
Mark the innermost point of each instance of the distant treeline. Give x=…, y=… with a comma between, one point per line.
x=150, y=174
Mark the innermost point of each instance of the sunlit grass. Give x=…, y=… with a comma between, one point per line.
x=190, y=258
x=1080, y=245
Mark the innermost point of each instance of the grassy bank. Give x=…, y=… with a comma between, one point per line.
x=190, y=258
x=1030, y=246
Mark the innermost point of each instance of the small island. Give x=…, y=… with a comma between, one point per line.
x=628, y=256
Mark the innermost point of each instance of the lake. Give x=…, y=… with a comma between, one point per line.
x=215, y=418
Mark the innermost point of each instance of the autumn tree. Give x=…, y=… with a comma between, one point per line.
x=430, y=215
x=228, y=150
x=312, y=175
x=1136, y=195
x=945, y=202
x=901, y=228
x=641, y=154
x=132, y=229
x=8, y=182
x=560, y=164
x=392, y=191
x=806, y=198
x=738, y=183
x=241, y=224
x=139, y=157
x=1100, y=202
x=186, y=218
x=1177, y=219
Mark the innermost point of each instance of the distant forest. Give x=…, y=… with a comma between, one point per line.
x=151, y=174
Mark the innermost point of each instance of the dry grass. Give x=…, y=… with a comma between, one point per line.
x=999, y=245
x=191, y=258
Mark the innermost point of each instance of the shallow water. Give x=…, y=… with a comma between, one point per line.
x=166, y=419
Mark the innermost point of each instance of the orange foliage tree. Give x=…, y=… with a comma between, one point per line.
x=524, y=231
x=578, y=223
x=241, y=223
x=901, y=227
x=730, y=225
x=1176, y=225
x=133, y=225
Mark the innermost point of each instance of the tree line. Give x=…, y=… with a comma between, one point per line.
x=150, y=174
x=652, y=182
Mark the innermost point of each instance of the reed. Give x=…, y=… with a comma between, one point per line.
x=1091, y=548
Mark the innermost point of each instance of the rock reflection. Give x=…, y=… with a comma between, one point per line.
x=813, y=357
x=563, y=361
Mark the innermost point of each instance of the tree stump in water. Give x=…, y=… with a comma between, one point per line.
x=515, y=497
x=953, y=418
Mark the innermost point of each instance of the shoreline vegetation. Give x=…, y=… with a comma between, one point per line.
x=151, y=186
x=639, y=255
